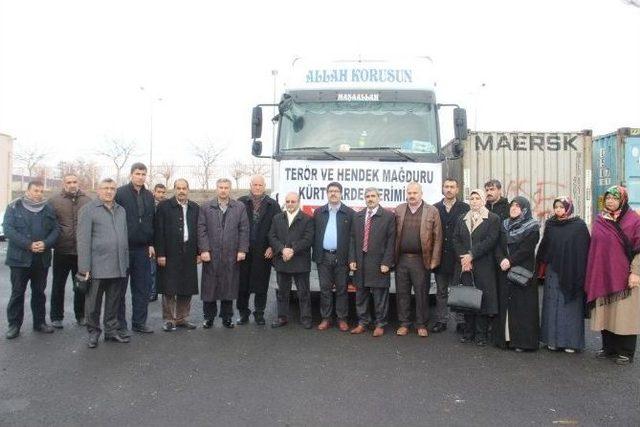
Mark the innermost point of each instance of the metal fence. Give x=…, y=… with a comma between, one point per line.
x=198, y=178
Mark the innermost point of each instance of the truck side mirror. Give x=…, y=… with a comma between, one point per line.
x=460, y=123
x=256, y=123
x=256, y=147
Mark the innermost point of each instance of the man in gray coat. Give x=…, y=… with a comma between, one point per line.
x=103, y=257
x=223, y=242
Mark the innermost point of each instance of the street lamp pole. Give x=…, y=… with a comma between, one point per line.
x=151, y=102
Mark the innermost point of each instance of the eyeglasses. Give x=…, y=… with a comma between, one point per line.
x=291, y=201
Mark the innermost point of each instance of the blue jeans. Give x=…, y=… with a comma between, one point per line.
x=139, y=277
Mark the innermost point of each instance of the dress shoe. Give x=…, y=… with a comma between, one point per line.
x=92, y=342
x=12, y=332
x=81, y=321
x=44, y=328
x=423, y=332
x=324, y=325
x=227, y=323
x=207, y=324
x=168, y=327
x=402, y=331
x=116, y=338
x=307, y=325
x=481, y=343
x=466, y=339
x=569, y=350
x=439, y=327
x=602, y=354
x=124, y=332
x=378, y=332
x=243, y=320
x=358, y=330
x=623, y=360
x=187, y=325
x=143, y=329
x=57, y=324
x=343, y=326
x=259, y=318
x=280, y=322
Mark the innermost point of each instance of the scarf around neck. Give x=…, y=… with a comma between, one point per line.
x=33, y=206
x=519, y=228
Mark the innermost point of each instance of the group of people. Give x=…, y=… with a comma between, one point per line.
x=131, y=235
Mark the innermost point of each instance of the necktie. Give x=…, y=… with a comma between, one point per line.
x=367, y=229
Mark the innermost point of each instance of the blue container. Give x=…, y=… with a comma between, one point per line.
x=616, y=161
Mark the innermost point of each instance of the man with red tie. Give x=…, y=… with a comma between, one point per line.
x=371, y=253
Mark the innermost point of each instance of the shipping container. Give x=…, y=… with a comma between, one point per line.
x=616, y=161
x=537, y=165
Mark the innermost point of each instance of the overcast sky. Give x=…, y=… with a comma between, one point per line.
x=71, y=71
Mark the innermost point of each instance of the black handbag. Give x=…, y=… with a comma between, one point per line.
x=519, y=275
x=80, y=284
x=465, y=297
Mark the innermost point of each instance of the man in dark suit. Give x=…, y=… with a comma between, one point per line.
x=255, y=270
x=373, y=238
x=176, y=245
x=331, y=254
x=450, y=209
x=291, y=237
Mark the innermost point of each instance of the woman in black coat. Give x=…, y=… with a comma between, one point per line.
x=518, y=325
x=474, y=240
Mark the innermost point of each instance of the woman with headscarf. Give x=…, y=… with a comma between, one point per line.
x=518, y=320
x=474, y=240
x=613, y=277
x=563, y=253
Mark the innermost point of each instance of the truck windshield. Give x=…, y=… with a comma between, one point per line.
x=343, y=126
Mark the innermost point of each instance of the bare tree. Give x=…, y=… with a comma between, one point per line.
x=635, y=3
x=166, y=170
x=258, y=168
x=87, y=171
x=30, y=157
x=119, y=152
x=207, y=153
x=238, y=170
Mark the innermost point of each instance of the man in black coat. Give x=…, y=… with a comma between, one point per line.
x=331, y=254
x=176, y=245
x=31, y=227
x=450, y=209
x=495, y=202
x=139, y=204
x=291, y=237
x=371, y=253
x=255, y=270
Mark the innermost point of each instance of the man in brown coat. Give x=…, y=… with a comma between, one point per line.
x=223, y=242
x=418, y=251
x=66, y=205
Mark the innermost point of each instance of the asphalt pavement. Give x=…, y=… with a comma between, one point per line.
x=259, y=376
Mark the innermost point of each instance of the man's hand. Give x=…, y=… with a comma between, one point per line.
x=384, y=269
x=37, y=247
x=268, y=254
x=353, y=266
x=152, y=252
x=205, y=256
x=241, y=256
x=162, y=261
x=505, y=265
x=198, y=259
x=634, y=281
x=287, y=254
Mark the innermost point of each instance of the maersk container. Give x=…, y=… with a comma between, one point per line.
x=616, y=161
x=537, y=165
